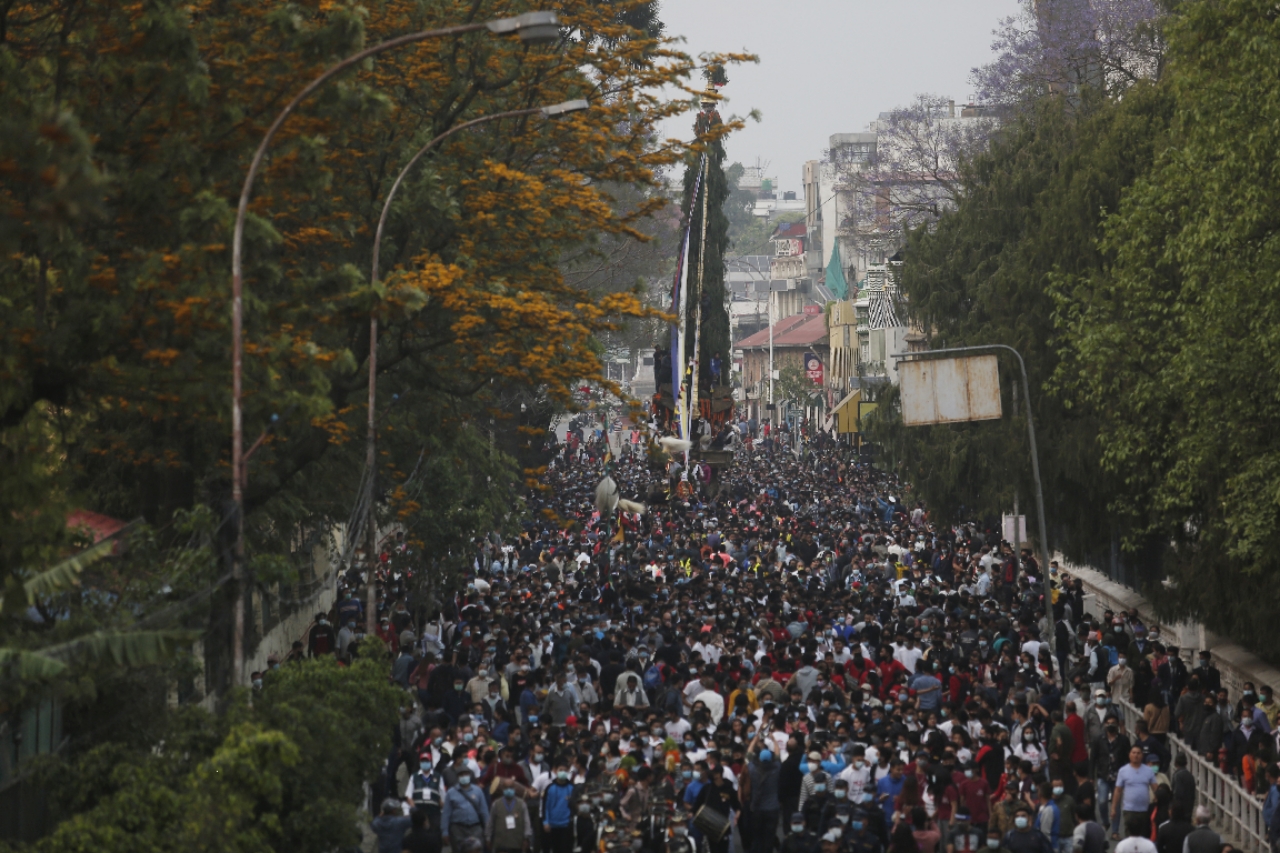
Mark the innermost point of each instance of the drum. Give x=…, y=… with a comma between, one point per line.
x=711, y=823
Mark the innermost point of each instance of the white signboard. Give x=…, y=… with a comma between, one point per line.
x=950, y=390
x=787, y=248
x=1011, y=533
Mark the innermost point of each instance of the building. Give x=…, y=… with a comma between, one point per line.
x=792, y=338
x=860, y=200
x=827, y=208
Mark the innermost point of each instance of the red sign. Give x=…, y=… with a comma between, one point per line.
x=813, y=368
x=813, y=310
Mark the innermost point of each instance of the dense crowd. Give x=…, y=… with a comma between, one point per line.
x=804, y=661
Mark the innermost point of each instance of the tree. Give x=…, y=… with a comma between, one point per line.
x=1171, y=342
x=1029, y=212
x=794, y=386
x=913, y=174
x=130, y=130
x=1065, y=46
x=709, y=240
x=286, y=774
x=744, y=225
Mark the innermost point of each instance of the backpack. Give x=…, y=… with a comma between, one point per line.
x=652, y=677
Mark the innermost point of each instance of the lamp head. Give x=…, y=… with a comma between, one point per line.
x=531, y=27
x=564, y=108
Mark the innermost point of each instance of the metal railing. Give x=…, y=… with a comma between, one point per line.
x=1236, y=814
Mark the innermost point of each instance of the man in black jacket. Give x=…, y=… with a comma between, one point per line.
x=1171, y=833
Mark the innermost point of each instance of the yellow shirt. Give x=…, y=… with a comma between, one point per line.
x=753, y=704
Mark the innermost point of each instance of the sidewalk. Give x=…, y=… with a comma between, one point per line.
x=1237, y=663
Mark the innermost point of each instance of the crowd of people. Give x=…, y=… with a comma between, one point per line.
x=805, y=661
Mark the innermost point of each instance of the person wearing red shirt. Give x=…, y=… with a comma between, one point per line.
x=889, y=669
x=1080, y=744
x=975, y=797
x=856, y=667
x=388, y=636
x=504, y=768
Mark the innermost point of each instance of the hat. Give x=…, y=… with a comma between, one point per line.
x=1099, y=692
x=797, y=817
x=815, y=756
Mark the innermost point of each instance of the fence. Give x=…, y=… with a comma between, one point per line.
x=1236, y=814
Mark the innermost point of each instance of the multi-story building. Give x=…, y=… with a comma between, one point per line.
x=792, y=338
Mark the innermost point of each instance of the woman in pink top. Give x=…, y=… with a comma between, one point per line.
x=925, y=831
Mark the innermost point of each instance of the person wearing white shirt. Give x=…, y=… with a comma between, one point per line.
x=857, y=775
x=676, y=727
x=908, y=655
x=842, y=653
x=713, y=701
x=710, y=652
x=692, y=689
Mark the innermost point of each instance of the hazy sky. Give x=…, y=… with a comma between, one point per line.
x=831, y=66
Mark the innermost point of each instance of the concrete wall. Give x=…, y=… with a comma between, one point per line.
x=280, y=638
x=1237, y=664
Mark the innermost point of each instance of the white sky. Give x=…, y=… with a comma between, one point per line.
x=831, y=66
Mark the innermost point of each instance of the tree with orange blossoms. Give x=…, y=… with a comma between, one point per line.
x=128, y=130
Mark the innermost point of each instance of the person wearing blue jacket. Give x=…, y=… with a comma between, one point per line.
x=557, y=813
x=465, y=812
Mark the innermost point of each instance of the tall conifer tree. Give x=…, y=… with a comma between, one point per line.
x=715, y=310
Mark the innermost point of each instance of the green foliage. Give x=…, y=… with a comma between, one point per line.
x=341, y=720
x=1174, y=343
x=1030, y=214
x=794, y=386
x=709, y=256
x=283, y=775
x=744, y=226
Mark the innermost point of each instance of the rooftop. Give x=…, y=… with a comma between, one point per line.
x=797, y=331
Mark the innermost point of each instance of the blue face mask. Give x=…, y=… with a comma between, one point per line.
x=857, y=825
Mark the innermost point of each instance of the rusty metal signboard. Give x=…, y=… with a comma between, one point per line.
x=950, y=390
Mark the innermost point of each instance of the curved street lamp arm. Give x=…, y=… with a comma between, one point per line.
x=538, y=27
x=395, y=187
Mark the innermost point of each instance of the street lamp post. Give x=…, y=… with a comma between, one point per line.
x=531, y=27
x=773, y=408
x=371, y=438
x=1035, y=466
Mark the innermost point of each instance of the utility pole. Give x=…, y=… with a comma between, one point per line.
x=1017, y=528
x=1035, y=455
x=371, y=488
x=773, y=409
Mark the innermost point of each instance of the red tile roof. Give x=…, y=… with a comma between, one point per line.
x=789, y=231
x=796, y=331
x=94, y=524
